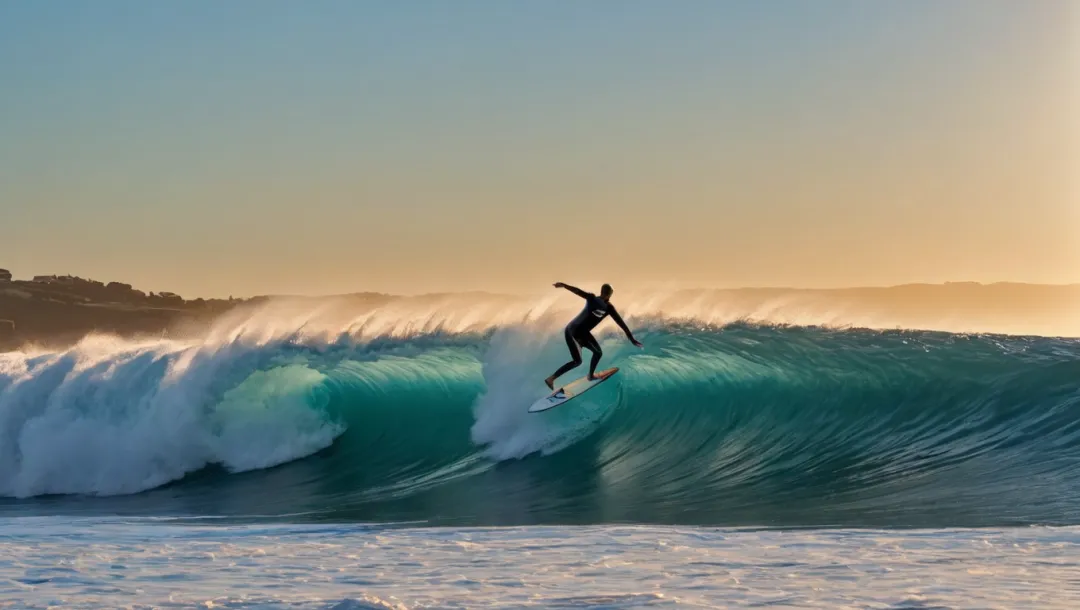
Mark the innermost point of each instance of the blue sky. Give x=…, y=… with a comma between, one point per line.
x=250, y=147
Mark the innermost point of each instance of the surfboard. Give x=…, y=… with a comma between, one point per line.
x=571, y=390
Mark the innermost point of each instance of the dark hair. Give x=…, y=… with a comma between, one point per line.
x=607, y=288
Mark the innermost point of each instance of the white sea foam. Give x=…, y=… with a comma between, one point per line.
x=102, y=564
x=114, y=417
x=503, y=425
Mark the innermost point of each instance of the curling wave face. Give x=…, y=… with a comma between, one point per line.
x=418, y=413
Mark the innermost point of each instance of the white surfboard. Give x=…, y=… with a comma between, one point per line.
x=571, y=390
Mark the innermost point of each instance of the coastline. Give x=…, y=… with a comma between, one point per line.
x=61, y=312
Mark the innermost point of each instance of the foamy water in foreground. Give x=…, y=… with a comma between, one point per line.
x=55, y=562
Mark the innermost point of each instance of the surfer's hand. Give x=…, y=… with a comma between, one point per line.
x=560, y=285
x=637, y=343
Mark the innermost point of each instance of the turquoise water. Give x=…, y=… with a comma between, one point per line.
x=732, y=426
x=723, y=466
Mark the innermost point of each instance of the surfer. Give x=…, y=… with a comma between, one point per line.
x=577, y=331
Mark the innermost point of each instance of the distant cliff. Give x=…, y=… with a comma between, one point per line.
x=56, y=310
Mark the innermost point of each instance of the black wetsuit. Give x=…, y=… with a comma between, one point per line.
x=578, y=332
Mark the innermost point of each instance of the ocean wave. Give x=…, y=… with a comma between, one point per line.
x=387, y=419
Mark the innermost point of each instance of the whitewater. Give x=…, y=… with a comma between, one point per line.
x=782, y=452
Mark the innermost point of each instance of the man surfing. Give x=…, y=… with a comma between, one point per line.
x=577, y=331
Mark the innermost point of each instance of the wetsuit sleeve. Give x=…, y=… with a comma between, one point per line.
x=581, y=293
x=618, y=320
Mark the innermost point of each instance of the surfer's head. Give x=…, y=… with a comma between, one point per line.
x=606, y=291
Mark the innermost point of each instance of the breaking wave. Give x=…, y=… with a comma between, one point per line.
x=417, y=417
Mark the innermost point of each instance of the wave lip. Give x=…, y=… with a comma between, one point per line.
x=738, y=424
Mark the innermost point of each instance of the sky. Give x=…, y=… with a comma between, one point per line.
x=275, y=147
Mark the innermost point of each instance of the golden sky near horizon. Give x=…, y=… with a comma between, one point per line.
x=250, y=149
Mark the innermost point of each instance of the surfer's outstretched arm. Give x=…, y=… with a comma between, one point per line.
x=618, y=320
x=581, y=293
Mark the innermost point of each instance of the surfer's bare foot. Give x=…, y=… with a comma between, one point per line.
x=550, y=381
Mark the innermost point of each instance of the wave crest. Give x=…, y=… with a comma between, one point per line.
x=424, y=418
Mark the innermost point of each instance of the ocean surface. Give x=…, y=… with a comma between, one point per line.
x=294, y=461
